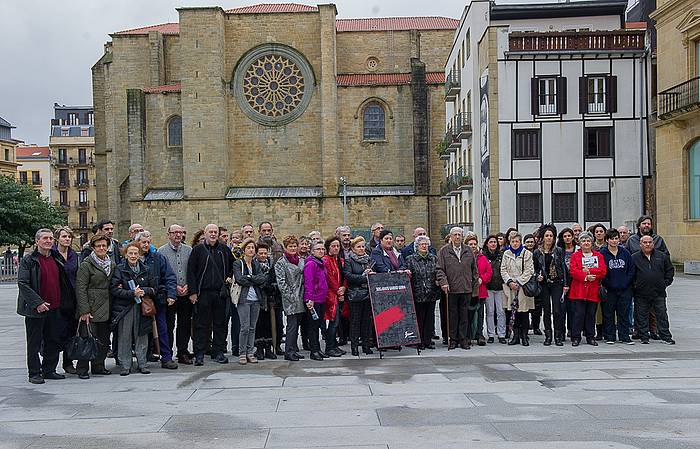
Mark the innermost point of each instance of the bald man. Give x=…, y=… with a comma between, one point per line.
x=209, y=273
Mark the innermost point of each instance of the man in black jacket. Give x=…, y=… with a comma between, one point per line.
x=43, y=291
x=209, y=272
x=654, y=272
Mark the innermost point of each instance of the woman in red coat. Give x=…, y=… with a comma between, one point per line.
x=335, y=300
x=587, y=271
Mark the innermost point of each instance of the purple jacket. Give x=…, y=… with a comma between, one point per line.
x=315, y=283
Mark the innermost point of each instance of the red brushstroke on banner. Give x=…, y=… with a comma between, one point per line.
x=387, y=318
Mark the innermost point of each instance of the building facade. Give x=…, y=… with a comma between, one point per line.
x=678, y=127
x=256, y=113
x=8, y=161
x=35, y=168
x=557, y=96
x=72, y=144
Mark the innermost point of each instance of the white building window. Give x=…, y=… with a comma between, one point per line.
x=547, y=96
x=596, y=95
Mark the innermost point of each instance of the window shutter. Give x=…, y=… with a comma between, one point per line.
x=561, y=95
x=534, y=96
x=583, y=95
x=611, y=86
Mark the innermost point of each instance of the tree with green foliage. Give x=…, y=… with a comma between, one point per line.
x=22, y=212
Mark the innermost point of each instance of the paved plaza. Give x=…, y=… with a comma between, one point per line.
x=498, y=396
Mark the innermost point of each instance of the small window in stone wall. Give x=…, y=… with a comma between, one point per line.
x=175, y=131
x=373, y=124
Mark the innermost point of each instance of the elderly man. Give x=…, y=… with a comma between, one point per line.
x=344, y=233
x=267, y=236
x=209, y=273
x=376, y=229
x=624, y=235
x=177, y=254
x=247, y=230
x=458, y=277
x=166, y=293
x=411, y=247
x=654, y=272
x=43, y=290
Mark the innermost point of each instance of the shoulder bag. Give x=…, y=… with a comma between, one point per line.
x=236, y=288
x=148, y=308
x=532, y=287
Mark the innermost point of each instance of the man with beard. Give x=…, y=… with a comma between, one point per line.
x=344, y=233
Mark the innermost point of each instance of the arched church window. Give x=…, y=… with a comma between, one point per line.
x=373, y=124
x=175, y=131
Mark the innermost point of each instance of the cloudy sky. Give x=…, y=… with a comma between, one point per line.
x=48, y=47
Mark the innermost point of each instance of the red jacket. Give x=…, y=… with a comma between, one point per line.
x=580, y=288
x=333, y=279
x=485, y=274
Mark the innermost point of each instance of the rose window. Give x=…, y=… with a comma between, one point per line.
x=273, y=84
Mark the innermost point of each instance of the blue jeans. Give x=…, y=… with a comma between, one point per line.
x=616, y=308
x=166, y=353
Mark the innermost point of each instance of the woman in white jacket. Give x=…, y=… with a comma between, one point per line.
x=516, y=269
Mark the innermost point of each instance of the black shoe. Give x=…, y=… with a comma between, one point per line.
x=70, y=369
x=153, y=358
x=185, y=359
x=279, y=351
x=269, y=353
x=591, y=341
x=670, y=341
x=481, y=341
x=435, y=337
x=316, y=356
x=575, y=342
x=299, y=356
x=524, y=339
x=291, y=357
x=490, y=340
x=465, y=344
x=324, y=355
x=334, y=352
x=124, y=372
x=342, y=351
x=102, y=372
x=54, y=376
x=83, y=376
x=430, y=345
x=537, y=332
x=37, y=379
x=548, y=338
x=170, y=364
x=502, y=340
x=367, y=350
x=444, y=342
x=654, y=336
x=558, y=342
x=645, y=341
x=220, y=358
x=144, y=371
x=516, y=338
x=354, y=351
x=199, y=361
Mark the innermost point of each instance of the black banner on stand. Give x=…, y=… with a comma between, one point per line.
x=393, y=310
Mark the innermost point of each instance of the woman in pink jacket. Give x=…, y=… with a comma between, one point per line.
x=485, y=272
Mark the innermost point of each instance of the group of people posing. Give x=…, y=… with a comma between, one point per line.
x=142, y=302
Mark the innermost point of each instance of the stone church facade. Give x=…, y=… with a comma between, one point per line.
x=260, y=113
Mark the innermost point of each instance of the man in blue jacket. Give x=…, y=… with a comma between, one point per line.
x=618, y=283
x=167, y=292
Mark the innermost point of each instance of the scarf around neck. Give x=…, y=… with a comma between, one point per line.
x=105, y=264
x=364, y=260
x=292, y=258
x=516, y=251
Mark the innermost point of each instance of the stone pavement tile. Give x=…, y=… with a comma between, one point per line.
x=427, y=437
x=220, y=439
x=28, y=397
x=318, y=392
x=678, y=396
x=322, y=380
x=529, y=445
x=592, y=364
x=647, y=411
x=165, y=407
x=623, y=384
x=654, y=373
x=424, y=401
x=579, y=397
x=232, y=420
x=16, y=442
x=229, y=379
x=457, y=387
x=99, y=426
x=592, y=374
x=39, y=411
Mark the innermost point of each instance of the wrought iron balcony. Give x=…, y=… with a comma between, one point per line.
x=456, y=182
x=679, y=99
x=452, y=84
x=576, y=41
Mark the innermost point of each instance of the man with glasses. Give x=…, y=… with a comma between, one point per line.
x=177, y=254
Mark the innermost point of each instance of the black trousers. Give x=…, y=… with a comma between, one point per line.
x=263, y=330
x=314, y=327
x=181, y=312
x=210, y=306
x=360, y=321
x=548, y=305
x=101, y=332
x=425, y=314
x=44, y=336
x=584, y=318
x=658, y=306
x=70, y=325
x=291, y=344
x=443, y=315
x=458, y=305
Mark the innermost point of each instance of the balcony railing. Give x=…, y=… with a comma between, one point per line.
x=84, y=204
x=456, y=182
x=62, y=184
x=65, y=205
x=679, y=99
x=452, y=83
x=83, y=182
x=458, y=128
x=570, y=41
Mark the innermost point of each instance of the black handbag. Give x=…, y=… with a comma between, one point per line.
x=532, y=287
x=602, y=293
x=82, y=348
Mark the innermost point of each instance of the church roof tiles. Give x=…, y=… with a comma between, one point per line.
x=386, y=79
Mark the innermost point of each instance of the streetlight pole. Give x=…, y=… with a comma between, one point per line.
x=344, y=183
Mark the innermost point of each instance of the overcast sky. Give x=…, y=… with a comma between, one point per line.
x=48, y=47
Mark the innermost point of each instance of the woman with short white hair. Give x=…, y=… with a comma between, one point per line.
x=517, y=268
x=423, y=267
